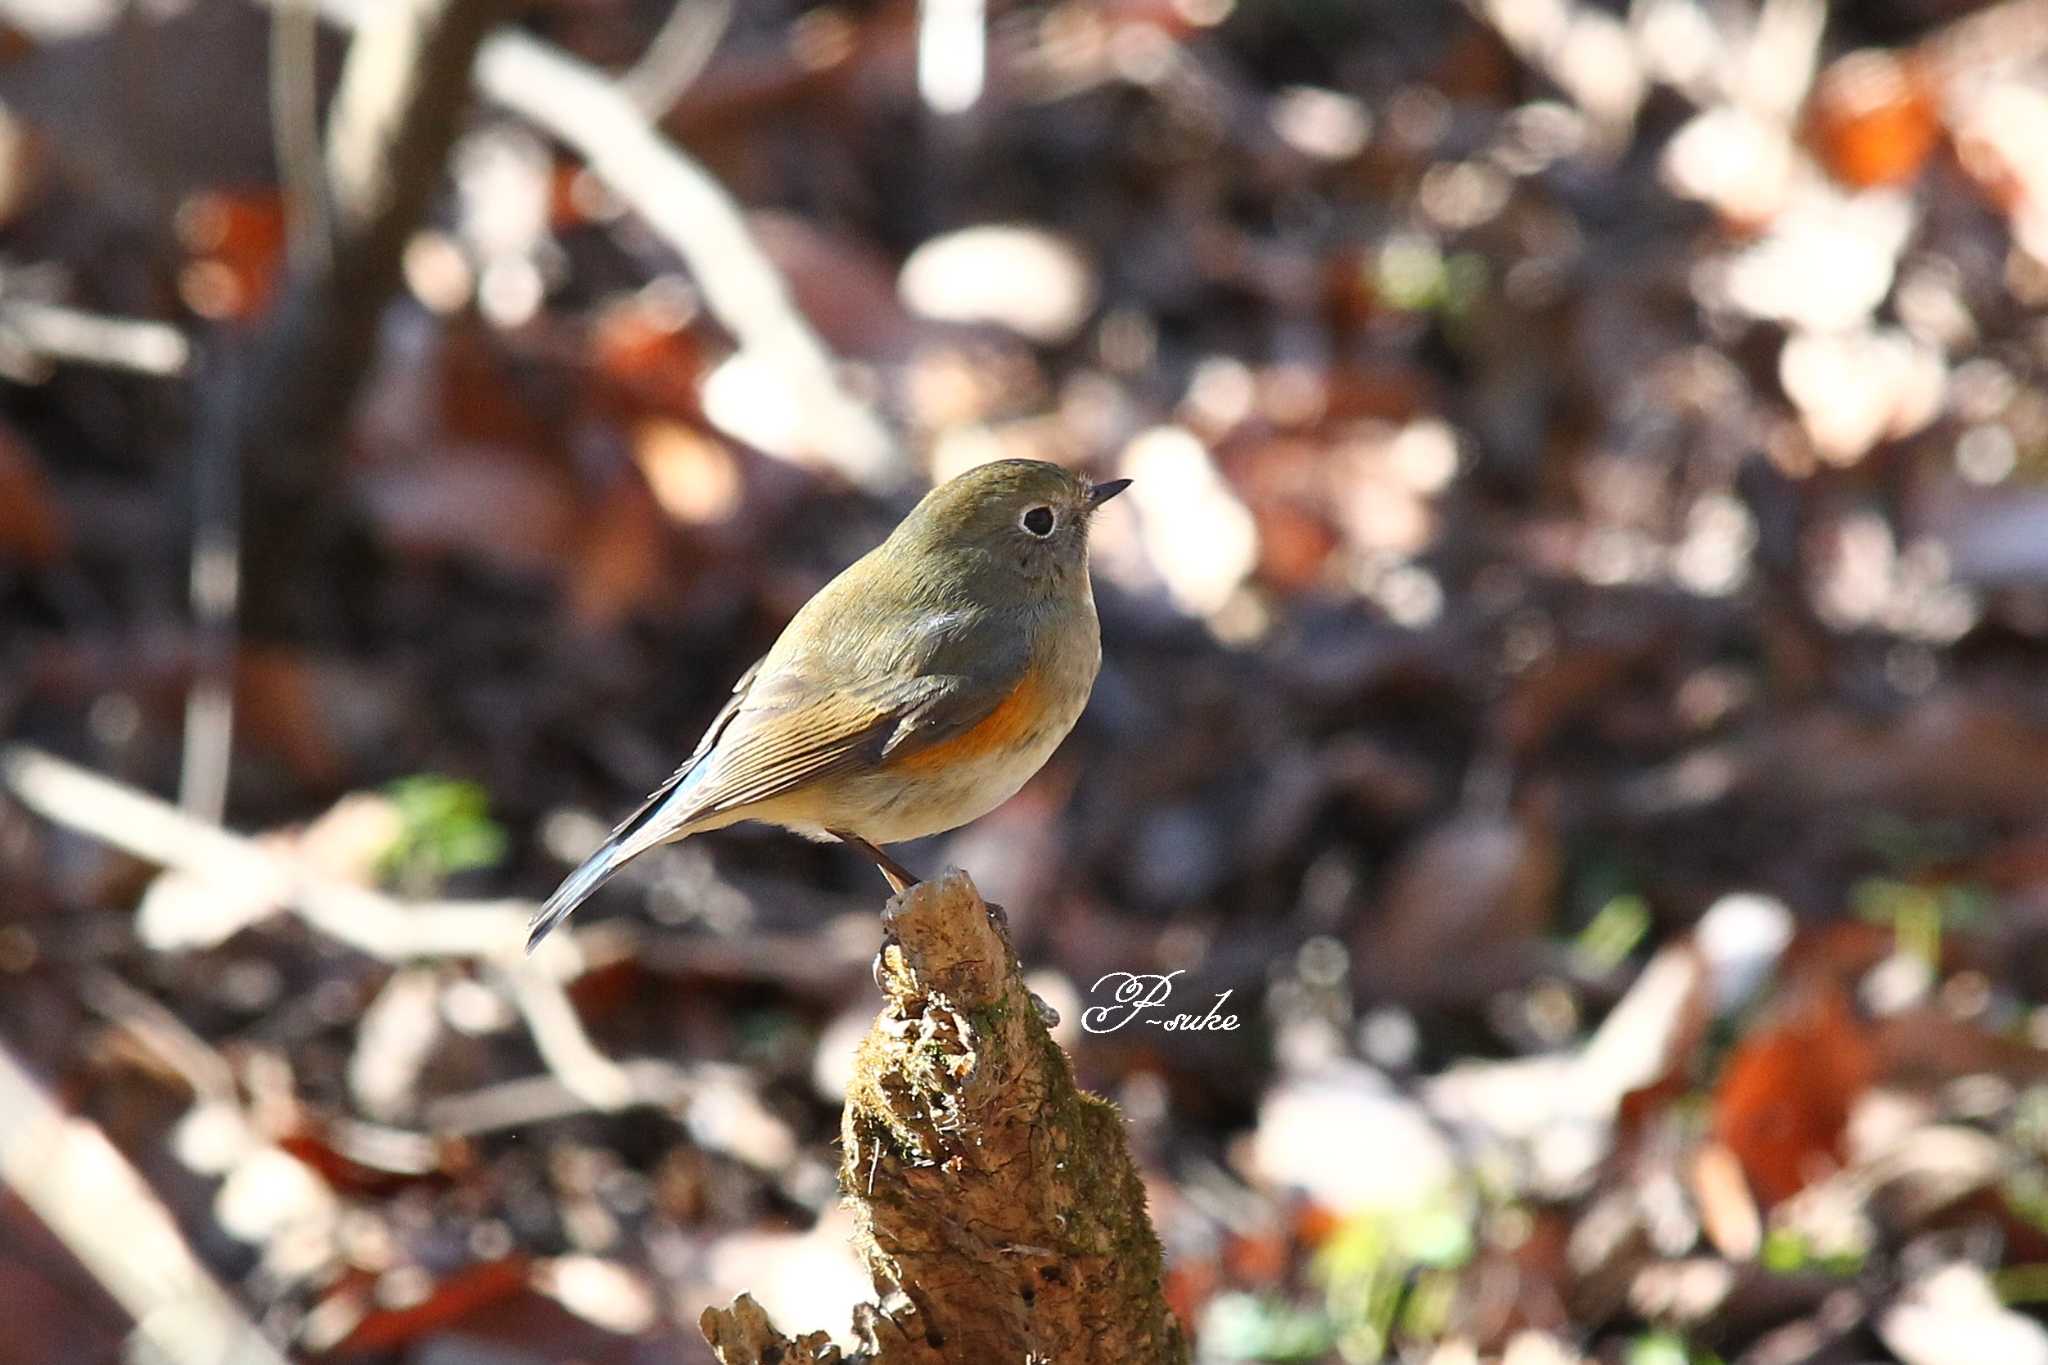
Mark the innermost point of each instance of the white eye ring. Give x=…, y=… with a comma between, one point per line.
x=1035, y=518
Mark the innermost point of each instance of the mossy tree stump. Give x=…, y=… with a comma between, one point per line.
x=995, y=1204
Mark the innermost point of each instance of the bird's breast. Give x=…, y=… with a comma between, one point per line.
x=964, y=776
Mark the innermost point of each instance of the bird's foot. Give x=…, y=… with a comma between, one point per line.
x=880, y=966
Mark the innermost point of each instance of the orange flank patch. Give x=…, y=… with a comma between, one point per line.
x=1006, y=727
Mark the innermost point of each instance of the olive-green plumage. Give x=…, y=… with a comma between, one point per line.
x=918, y=690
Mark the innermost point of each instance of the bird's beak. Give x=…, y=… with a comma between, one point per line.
x=1103, y=492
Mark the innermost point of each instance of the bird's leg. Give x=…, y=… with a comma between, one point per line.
x=897, y=875
x=899, y=879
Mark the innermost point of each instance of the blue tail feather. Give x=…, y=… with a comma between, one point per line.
x=655, y=822
x=599, y=868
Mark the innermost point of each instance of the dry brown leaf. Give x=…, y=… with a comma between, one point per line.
x=622, y=558
x=499, y=506
x=455, y=1297
x=1461, y=903
x=33, y=528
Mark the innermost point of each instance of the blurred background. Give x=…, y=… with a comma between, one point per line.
x=1574, y=655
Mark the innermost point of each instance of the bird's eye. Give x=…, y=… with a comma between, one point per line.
x=1038, y=521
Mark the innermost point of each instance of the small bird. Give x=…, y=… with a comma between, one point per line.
x=916, y=692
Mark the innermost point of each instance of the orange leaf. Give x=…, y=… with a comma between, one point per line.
x=454, y=1298
x=645, y=355
x=1784, y=1097
x=1259, y=1257
x=1873, y=120
x=236, y=246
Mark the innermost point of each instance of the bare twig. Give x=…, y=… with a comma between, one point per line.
x=692, y=212
x=677, y=56
x=541, y=1099
x=54, y=332
x=162, y=1032
x=575, y=1061
x=366, y=920
x=273, y=416
x=67, y=1172
x=295, y=129
x=214, y=590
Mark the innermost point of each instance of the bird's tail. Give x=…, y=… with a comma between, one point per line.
x=599, y=868
x=665, y=815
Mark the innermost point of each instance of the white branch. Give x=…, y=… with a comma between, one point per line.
x=694, y=214
x=55, y=332
x=100, y=1207
x=590, y=113
x=366, y=920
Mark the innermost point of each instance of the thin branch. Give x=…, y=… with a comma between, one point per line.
x=585, y=1072
x=687, y=207
x=677, y=56
x=101, y=1208
x=295, y=130
x=542, y=1099
x=54, y=332
x=214, y=591
x=162, y=1032
x=680, y=200
x=366, y=920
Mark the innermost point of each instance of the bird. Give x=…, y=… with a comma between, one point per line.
x=915, y=692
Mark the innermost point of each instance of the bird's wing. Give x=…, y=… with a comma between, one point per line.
x=787, y=727
x=792, y=730
x=660, y=795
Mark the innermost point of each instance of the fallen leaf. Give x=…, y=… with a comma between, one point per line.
x=235, y=241
x=613, y=1296
x=1952, y=1316
x=1728, y=1213
x=498, y=506
x=622, y=558
x=1783, y=1100
x=695, y=476
x=842, y=285
x=642, y=350
x=454, y=1297
x=1351, y=1142
x=1474, y=891
x=33, y=529
x=1872, y=119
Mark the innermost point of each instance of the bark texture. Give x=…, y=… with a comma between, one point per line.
x=995, y=1204
x=404, y=92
